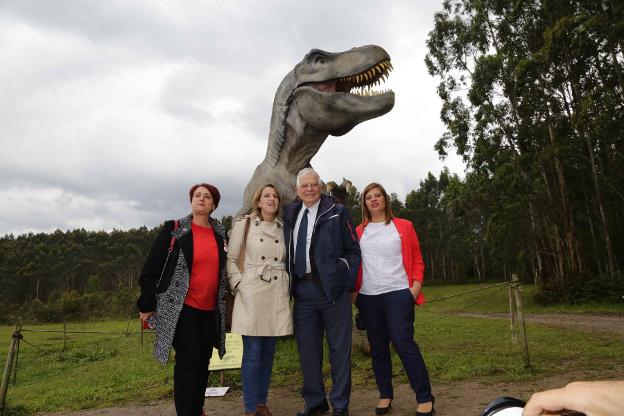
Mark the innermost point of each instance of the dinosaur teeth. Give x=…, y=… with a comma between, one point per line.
x=362, y=84
x=367, y=91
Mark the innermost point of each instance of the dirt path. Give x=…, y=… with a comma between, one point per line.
x=587, y=322
x=464, y=398
x=453, y=399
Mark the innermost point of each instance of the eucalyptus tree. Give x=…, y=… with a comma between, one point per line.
x=532, y=99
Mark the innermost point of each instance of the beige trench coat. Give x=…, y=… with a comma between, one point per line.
x=261, y=306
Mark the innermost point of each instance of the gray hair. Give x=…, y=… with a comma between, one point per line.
x=307, y=171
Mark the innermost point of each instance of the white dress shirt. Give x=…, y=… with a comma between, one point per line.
x=312, y=211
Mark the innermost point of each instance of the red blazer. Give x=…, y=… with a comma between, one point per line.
x=410, y=249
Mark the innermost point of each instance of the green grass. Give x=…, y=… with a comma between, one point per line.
x=94, y=371
x=497, y=300
x=459, y=348
x=107, y=370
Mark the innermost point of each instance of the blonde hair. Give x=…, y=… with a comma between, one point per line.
x=366, y=215
x=256, y=200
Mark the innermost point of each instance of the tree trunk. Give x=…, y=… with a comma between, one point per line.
x=476, y=266
x=594, y=239
x=568, y=229
x=601, y=210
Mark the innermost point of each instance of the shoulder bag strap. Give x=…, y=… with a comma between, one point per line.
x=240, y=262
x=176, y=224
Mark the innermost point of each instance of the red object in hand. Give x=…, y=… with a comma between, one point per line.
x=149, y=323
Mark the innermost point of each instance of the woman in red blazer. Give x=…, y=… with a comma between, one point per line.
x=389, y=283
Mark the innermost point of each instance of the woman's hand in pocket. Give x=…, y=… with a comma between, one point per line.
x=415, y=289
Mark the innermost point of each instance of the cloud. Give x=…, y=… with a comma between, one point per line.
x=111, y=110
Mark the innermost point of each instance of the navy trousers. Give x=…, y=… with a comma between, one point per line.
x=313, y=315
x=390, y=317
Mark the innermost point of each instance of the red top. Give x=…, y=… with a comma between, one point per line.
x=410, y=250
x=202, y=291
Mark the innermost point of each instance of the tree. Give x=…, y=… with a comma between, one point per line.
x=533, y=101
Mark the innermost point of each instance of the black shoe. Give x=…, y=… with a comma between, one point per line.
x=314, y=410
x=340, y=412
x=383, y=410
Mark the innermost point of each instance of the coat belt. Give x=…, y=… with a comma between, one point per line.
x=265, y=267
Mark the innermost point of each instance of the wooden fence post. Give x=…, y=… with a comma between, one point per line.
x=17, y=350
x=17, y=335
x=512, y=315
x=128, y=325
x=64, y=335
x=525, y=344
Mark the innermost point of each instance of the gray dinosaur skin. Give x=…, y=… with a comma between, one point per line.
x=312, y=102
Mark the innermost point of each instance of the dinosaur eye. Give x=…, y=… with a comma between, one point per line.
x=320, y=60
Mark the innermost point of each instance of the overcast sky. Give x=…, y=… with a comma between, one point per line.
x=110, y=110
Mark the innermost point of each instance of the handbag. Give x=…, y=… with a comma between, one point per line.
x=151, y=321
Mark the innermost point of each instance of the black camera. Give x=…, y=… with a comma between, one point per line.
x=504, y=406
x=508, y=406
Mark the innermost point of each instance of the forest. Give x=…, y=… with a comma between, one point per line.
x=532, y=99
x=533, y=95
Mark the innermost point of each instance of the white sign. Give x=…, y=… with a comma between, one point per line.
x=216, y=391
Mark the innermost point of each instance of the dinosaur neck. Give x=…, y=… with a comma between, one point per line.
x=301, y=143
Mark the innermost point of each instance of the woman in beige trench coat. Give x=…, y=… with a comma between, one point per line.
x=261, y=308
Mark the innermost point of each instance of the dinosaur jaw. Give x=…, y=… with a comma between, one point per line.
x=362, y=83
x=338, y=112
x=337, y=105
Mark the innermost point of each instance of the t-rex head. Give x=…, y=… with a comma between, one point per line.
x=334, y=91
x=325, y=94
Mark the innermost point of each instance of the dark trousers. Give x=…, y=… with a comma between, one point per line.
x=313, y=315
x=390, y=317
x=193, y=343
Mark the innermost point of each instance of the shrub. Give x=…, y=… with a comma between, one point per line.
x=583, y=289
x=70, y=303
x=94, y=284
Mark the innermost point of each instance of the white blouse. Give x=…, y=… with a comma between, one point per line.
x=382, y=260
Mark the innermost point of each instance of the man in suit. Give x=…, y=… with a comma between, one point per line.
x=323, y=259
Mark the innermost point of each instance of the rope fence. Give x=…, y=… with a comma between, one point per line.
x=448, y=313
x=81, y=332
x=469, y=291
x=516, y=315
x=10, y=369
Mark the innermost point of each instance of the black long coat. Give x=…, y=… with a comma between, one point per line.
x=165, y=294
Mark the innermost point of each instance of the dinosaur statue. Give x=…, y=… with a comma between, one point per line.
x=325, y=94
